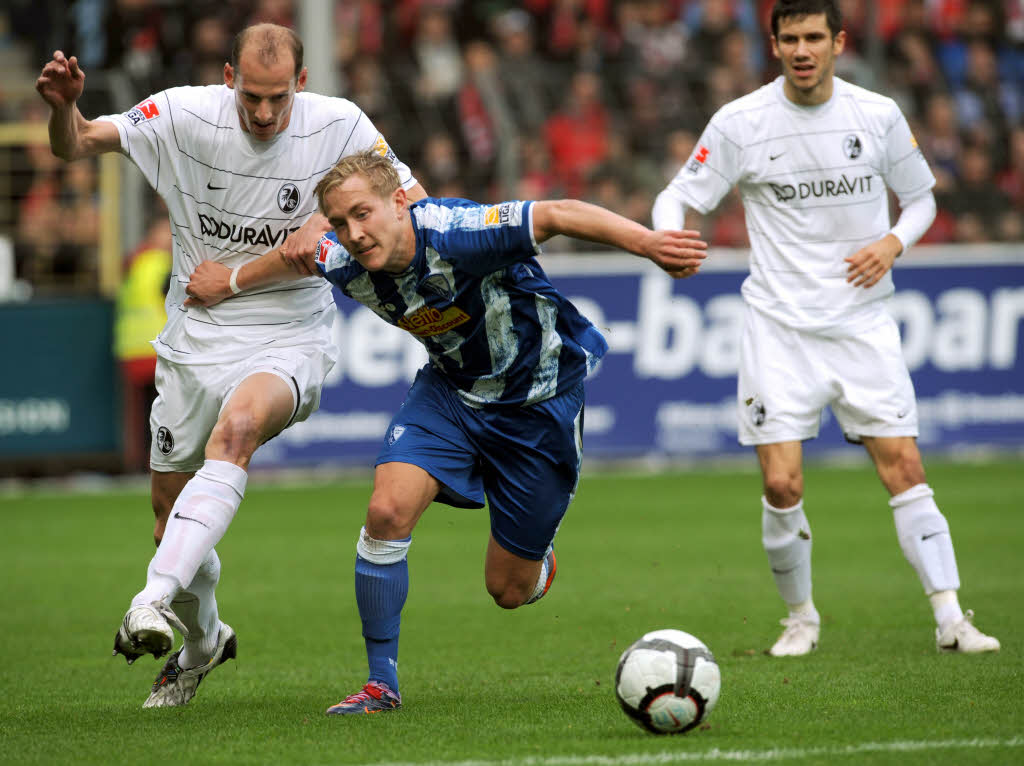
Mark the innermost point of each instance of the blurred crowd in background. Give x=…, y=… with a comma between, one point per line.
x=487, y=99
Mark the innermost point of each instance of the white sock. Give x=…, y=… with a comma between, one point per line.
x=946, y=607
x=198, y=521
x=196, y=607
x=805, y=611
x=924, y=537
x=786, y=537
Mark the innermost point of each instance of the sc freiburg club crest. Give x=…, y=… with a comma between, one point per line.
x=164, y=440
x=852, y=146
x=288, y=198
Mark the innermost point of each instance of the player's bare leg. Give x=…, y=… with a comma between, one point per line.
x=782, y=472
x=514, y=581
x=924, y=536
x=401, y=493
x=786, y=536
x=164, y=488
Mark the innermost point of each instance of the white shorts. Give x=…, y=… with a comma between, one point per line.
x=191, y=396
x=787, y=377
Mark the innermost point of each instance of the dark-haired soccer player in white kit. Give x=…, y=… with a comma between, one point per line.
x=812, y=156
x=237, y=165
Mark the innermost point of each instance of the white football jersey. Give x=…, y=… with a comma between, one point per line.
x=231, y=199
x=813, y=183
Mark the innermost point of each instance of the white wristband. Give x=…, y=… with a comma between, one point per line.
x=233, y=282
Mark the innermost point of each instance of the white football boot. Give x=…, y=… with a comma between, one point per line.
x=175, y=686
x=799, y=638
x=963, y=637
x=146, y=629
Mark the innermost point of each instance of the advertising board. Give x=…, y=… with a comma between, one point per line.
x=667, y=385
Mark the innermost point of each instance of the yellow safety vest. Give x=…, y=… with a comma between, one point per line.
x=140, y=304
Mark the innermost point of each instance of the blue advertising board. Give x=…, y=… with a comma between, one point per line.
x=59, y=392
x=667, y=385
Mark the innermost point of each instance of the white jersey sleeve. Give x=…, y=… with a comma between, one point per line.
x=231, y=199
x=711, y=171
x=143, y=132
x=906, y=171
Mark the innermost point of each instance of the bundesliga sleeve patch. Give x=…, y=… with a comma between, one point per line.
x=382, y=148
x=323, y=252
x=140, y=113
x=498, y=215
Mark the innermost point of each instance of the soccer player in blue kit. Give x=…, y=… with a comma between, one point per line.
x=497, y=413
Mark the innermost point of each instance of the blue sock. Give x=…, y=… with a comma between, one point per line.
x=381, y=590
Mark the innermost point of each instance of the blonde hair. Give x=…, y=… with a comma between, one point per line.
x=378, y=170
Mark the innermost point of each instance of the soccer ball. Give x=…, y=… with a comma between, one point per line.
x=668, y=681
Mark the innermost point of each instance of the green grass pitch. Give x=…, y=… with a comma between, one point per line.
x=484, y=686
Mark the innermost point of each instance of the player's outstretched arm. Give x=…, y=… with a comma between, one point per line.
x=211, y=282
x=680, y=253
x=71, y=135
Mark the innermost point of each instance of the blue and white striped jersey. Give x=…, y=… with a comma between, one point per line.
x=479, y=301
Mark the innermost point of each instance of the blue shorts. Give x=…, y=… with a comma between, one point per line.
x=525, y=461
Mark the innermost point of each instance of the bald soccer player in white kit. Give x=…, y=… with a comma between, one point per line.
x=812, y=157
x=236, y=164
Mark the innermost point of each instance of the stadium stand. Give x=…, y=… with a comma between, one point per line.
x=590, y=98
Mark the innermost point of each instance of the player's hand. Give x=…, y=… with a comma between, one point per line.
x=870, y=263
x=61, y=82
x=679, y=253
x=208, y=285
x=301, y=245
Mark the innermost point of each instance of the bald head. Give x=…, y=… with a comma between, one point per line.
x=271, y=43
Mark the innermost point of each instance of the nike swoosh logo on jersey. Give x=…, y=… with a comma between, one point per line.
x=773, y=157
x=215, y=188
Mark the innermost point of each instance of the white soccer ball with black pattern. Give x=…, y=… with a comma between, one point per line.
x=668, y=681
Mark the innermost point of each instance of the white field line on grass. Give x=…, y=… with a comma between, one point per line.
x=741, y=756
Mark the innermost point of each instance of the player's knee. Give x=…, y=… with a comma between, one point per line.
x=386, y=519
x=783, y=489
x=509, y=595
x=510, y=588
x=235, y=437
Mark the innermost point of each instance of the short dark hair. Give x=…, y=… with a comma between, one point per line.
x=784, y=9
x=269, y=39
